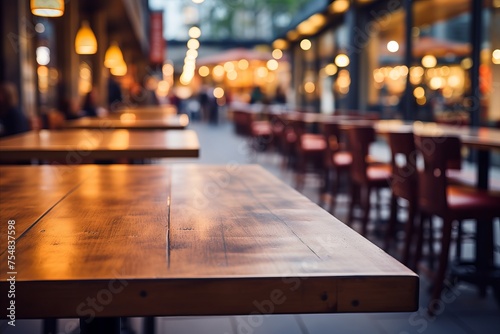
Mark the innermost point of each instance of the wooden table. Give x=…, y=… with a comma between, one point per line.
x=75, y=146
x=130, y=121
x=185, y=240
x=164, y=109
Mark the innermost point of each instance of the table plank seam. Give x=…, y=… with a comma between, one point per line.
x=47, y=212
x=280, y=219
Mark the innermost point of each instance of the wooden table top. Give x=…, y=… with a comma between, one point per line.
x=131, y=121
x=75, y=144
x=186, y=240
x=165, y=109
x=476, y=137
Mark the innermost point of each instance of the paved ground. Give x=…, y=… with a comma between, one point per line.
x=462, y=312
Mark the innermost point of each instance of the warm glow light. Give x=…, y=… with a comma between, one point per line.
x=495, y=56
x=393, y=46
x=280, y=44
x=339, y=6
x=305, y=44
x=120, y=69
x=429, y=61
x=272, y=64
x=198, y=1
x=262, y=72
x=168, y=70
x=47, y=8
x=419, y=92
x=232, y=75
x=194, y=32
x=277, y=54
x=191, y=54
x=193, y=44
x=42, y=55
x=218, y=92
x=436, y=83
x=309, y=87
x=331, y=69
x=85, y=41
x=243, y=64
x=454, y=81
x=466, y=63
x=378, y=76
x=204, y=71
x=218, y=71
x=417, y=71
x=342, y=60
x=292, y=35
x=113, y=56
x=422, y=101
x=228, y=66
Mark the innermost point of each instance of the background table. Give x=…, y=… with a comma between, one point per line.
x=186, y=240
x=73, y=146
x=130, y=121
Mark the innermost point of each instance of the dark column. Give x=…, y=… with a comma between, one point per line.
x=352, y=20
x=408, y=105
x=476, y=39
x=317, y=68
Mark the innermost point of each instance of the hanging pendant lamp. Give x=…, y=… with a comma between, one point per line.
x=113, y=56
x=85, y=41
x=47, y=8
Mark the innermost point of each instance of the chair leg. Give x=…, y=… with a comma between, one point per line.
x=458, y=245
x=389, y=233
x=334, y=191
x=420, y=241
x=442, y=265
x=366, y=211
x=409, y=228
x=354, y=190
x=431, y=244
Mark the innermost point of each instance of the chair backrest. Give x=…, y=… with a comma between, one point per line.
x=333, y=135
x=360, y=138
x=404, y=165
x=436, y=152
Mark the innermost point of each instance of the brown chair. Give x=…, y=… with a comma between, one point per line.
x=404, y=183
x=365, y=176
x=338, y=160
x=448, y=201
x=309, y=151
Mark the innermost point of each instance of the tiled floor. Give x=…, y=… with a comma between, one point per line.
x=463, y=311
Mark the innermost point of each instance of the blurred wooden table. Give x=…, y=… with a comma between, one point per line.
x=75, y=146
x=130, y=121
x=186, y=240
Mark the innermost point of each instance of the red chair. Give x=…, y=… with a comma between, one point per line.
x=404, y=183
x=309, y=151
x=365, y=176
x=338, y=160
x=436, y=196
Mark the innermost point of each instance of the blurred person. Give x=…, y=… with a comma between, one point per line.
x=280, y=96
x=115, y=96
x=70, y=109
x=91, y=107
x=12, y=119
x=142, y=96
x=257, y=96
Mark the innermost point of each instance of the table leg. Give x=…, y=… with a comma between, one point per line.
x=148, y=326
x=50, y=326
x=100, y=326
x=484, y=229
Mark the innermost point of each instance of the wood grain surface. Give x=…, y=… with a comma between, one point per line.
x=74, y=146
x=131, y=121
x=186, y=240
